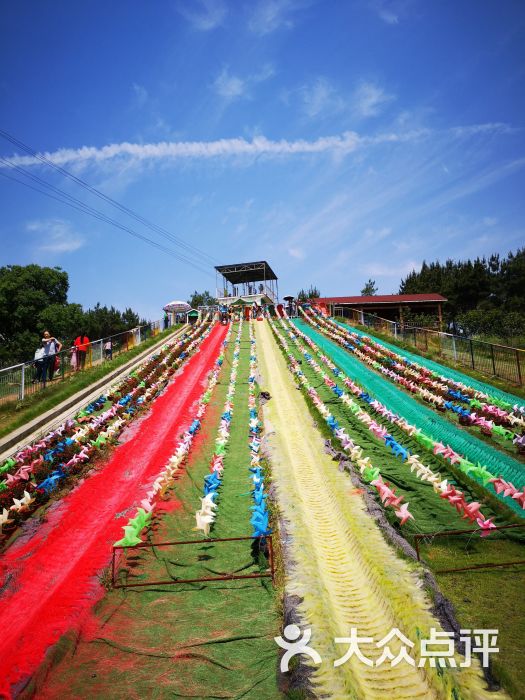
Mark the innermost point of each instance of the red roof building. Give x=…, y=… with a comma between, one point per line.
x=390, y=306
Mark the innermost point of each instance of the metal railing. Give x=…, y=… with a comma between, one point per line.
x=26, y=378
x=488, y=358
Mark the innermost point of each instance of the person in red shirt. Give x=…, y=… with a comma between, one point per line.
x=81, y=344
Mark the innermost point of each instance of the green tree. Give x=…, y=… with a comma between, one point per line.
x=475, y=285
x=370, y=289
x=64, y=321
x=34, y=299
x=311, y=293
x=25, y=291
x=201, y=299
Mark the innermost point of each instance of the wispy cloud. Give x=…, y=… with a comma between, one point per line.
x=140, y=94
x=390, y=269
x=55, y=236
x=297, y=253
x=231, y=87
x=369, y=99
x=321, y=97
x=203, y=15
x=268, y=16
x=391, y=11
x=342, y=144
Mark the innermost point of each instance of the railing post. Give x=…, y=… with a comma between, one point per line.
x=23, y=383
x=472, y=354
x=492, y=358
x=518, y=365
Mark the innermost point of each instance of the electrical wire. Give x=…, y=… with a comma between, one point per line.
x=65, y=198
x=192, y=250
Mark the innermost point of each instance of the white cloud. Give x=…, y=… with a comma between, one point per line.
x=475, y=129
x=390, y=269
x=55, y=236
x=391, y=11
x=490, y=221
x=377, y=234
x=203, y=15
x=231, y=87
x=369, y=99
x=140, y=93
x=297, y=253
x=321, y=97
x=270, y=15
x=342, y=144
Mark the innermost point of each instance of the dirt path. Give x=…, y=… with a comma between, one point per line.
x=48, y=581
x=344, y=571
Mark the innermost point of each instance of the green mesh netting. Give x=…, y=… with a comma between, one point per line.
x=436, y=367
x=424, y=418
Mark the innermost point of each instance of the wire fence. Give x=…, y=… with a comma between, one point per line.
x=27, y=378
x=493, y=360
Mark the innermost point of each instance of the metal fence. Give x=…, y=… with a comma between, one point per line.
x=490, y=359
x=22, y=380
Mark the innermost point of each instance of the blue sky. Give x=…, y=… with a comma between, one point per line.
x=338, y=140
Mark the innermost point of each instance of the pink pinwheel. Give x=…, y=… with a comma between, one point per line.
x=457, y=500
x=24, y=472
x=454, y=457
x=403, y=513
x=520, y=497
x=486, y=525
x=510, y=489
x=37, y=462
x=386, y=494
x=499, y=484
x=446, y=490
x=439, y=448
x=472, y=511
x=394, y=502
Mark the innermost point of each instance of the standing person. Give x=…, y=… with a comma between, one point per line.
x=38, y=363
x=166, y=320
x=51, y=347
x=81, y=343
x=108, y=349
x=73, y=358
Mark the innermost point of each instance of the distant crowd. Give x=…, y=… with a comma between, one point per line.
x=47, y=355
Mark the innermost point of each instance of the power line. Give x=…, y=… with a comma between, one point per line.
x=192, y=250
x=65, y=198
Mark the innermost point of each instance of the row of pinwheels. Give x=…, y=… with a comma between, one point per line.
x=492, y=416
x=369, y=473
x=37, y=470
x=477, y=396
x=206, y=514
x=133, y=530
x=444, y=452
x=260, y=516
x=456, y=498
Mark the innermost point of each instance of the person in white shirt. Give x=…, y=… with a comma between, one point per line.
x=51, y=346
x=38, y=363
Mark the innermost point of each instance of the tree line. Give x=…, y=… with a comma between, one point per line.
x=486, y=296
x=34, y=299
